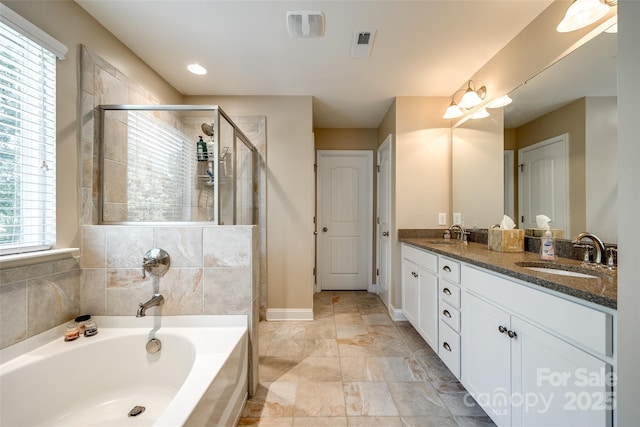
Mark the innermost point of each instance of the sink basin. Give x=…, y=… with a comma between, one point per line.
x=559, y=269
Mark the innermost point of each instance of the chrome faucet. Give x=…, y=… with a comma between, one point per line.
x=462, y=232
x=156, y=299
x=597, y=243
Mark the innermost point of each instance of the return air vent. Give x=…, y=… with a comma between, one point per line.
x=362, y=43
x=305, y=23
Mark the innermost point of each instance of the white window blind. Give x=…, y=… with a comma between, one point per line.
x=27, y=143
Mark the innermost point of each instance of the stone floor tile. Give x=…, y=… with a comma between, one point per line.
x=408, y=421
x=323, y=347
x=272, y=400
x=401, y=369
x=417, y=398
x=474, y=422
x=320, y=422
x=266, y=422
x=320, y=399
x=462, y=404
x=361, y=369
x=320, y=369
x=374, y=422
x=278, y=369
x=368, y=399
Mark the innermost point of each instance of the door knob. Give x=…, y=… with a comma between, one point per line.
x=325, y=229
x=385, y=233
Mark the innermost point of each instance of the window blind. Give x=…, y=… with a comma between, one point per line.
x=27, y=143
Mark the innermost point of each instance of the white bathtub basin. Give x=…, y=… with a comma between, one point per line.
x=199, y=377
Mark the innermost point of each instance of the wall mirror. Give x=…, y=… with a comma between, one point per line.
x=576, y=97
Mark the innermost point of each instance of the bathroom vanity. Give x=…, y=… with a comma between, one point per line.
x=531, y=347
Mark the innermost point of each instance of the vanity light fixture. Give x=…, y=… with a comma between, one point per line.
x=471, y=97
x=480, y=114
x=582, y=13
x=197, y=69
x=500, y=102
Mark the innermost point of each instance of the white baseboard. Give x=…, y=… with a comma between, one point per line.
x=373, y=288
x=396, y=314
x=297, y=314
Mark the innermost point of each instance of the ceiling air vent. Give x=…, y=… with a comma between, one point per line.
x=362, y=43
x=305, y=23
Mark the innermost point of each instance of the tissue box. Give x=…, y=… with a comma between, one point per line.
x=557, y=233
x=506, y=240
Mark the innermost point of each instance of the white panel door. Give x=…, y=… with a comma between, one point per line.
x=384, y=221
x=543, y=183
x=344, y=219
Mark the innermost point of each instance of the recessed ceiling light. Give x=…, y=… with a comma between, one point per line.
x=197, y=69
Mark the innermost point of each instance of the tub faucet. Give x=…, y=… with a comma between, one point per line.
x=156, y=299
x=597, y=242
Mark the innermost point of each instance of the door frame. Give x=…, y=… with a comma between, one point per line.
x=368, y=155
x=386, y=145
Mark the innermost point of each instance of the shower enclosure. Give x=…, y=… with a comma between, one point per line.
x=168, y=163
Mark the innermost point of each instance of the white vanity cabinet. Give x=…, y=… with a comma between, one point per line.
x=530, y=358
x=449, y=313
x=420, y=292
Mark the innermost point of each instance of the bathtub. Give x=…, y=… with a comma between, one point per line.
x=198, y=378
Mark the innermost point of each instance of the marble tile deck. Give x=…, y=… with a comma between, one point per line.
x=353, y=366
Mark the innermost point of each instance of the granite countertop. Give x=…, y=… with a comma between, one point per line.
x=601, y=290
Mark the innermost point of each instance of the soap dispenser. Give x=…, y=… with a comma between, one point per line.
x=547, y=246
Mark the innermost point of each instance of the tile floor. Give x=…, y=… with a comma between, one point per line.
x=354, y=366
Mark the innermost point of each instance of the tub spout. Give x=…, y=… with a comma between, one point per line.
x=156, y=299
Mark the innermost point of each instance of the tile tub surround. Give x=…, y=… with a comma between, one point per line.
x=38, y=297
x=214, y=270
x=601, y=290
x=354, y=366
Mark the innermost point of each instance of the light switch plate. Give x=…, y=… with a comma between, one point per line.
x=457, y=218
x=442, y=218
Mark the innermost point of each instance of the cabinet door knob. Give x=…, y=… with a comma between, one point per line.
x=446, y=346
x=512, y=334
x=502, y=329
x=385, y=233
x=446, y=291
x=325, y=229
x=446, y=313
x=447, y=268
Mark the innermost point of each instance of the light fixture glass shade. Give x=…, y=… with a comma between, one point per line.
x=470, y=99
x=197, y=69
x=500, y=102
x=453, y=111
x=582, y=13
x=480, y=114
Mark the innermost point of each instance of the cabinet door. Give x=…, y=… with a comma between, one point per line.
x=558, y=384
x=486, y=357
x=410, y=291
x=428, y=312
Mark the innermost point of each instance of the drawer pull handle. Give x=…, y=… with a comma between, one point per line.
x=446, y=291
x=447, y=268
x=446, y=346
x=502, y=329
x=512, y=334
x=446, y=313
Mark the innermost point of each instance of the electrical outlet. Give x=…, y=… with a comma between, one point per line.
x=442, y=218
x=457, y=218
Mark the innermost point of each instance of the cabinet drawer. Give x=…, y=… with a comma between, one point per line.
x=449, y=350
x=426, y=260
x=450, y=315
x=449, y=292
x=449, y=269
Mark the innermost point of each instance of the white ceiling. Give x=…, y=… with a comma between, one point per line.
x=422, y=48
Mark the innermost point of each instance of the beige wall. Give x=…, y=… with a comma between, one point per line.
x=345, y=139
x=477, y=170
x=71, y=25
x=569, y=119
x=290, y=194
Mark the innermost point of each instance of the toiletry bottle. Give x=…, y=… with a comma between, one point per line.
x=201, y=148
x=547, y=247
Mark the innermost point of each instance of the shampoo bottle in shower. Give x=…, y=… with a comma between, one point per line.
x=201, y=148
